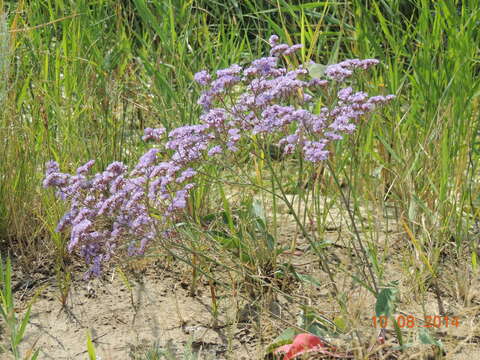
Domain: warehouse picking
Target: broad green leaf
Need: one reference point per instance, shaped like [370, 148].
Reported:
[270, 242]
[386, 302]
[257, 210]
[426, 338]
[286, 337]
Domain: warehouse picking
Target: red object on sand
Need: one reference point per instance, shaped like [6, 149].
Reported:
[302, 344]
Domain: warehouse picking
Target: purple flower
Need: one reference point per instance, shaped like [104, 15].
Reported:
[344, 69]
[215, 118]
[141, 220]
[147, 159]
[381, 99]
[314, 150]
[279, 49]
[307, 98]
[78, 231]
[345, 93]
[153, 134]
[179, 201]
[205, 100]
[316, 82]
[82, 170]
[215, 150]
[293, 49]
[263, 67]
[232, 70]
[189, 142]
[274, 118]
[273, 40]
[187, 174]
[64, 221]
[117, 168]
[52, 167]
[338, 72]
[189, 187]
[233, 138]
[367, 63]
[55, 179]
[221, 84]
[203, 78]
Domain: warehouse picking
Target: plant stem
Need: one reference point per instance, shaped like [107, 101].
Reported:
[356, 232]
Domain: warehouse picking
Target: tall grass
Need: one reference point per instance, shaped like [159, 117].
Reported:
[426, 148]
[85, 80]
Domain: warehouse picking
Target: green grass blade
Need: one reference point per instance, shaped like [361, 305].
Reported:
[90, 347]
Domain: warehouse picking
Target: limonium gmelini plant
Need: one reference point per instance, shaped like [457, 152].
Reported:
[122, 208]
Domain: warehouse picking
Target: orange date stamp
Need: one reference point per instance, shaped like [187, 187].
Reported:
[410, 321]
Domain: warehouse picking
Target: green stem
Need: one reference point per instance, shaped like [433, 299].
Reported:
[362, 252]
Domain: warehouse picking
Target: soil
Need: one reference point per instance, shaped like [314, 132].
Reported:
[155, 306]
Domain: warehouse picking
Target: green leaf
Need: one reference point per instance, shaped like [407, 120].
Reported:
[227, 241]
[23, 326]
[398, 332]
[316, 324]
[308, 279]
[226, 209]
[147, 15]
[474, 261]
[286, 337]
[317, 245]
[426, 338]
[386, 302]
[124, 279]
[340, 323]
[35, 355]
[318, 329]
[257, 210]
[90, 347]
[270, 242]
[390, 150]
[6, 306]
[8, 285]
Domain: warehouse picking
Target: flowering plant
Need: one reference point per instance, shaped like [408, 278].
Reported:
[263, 100]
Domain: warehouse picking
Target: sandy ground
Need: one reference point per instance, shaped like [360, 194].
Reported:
[158, 309]
[124, 324]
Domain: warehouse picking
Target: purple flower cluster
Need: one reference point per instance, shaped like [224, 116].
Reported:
[277, 101]
[130, 207]
[345, 69]
[153, 134]
[115, 206]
